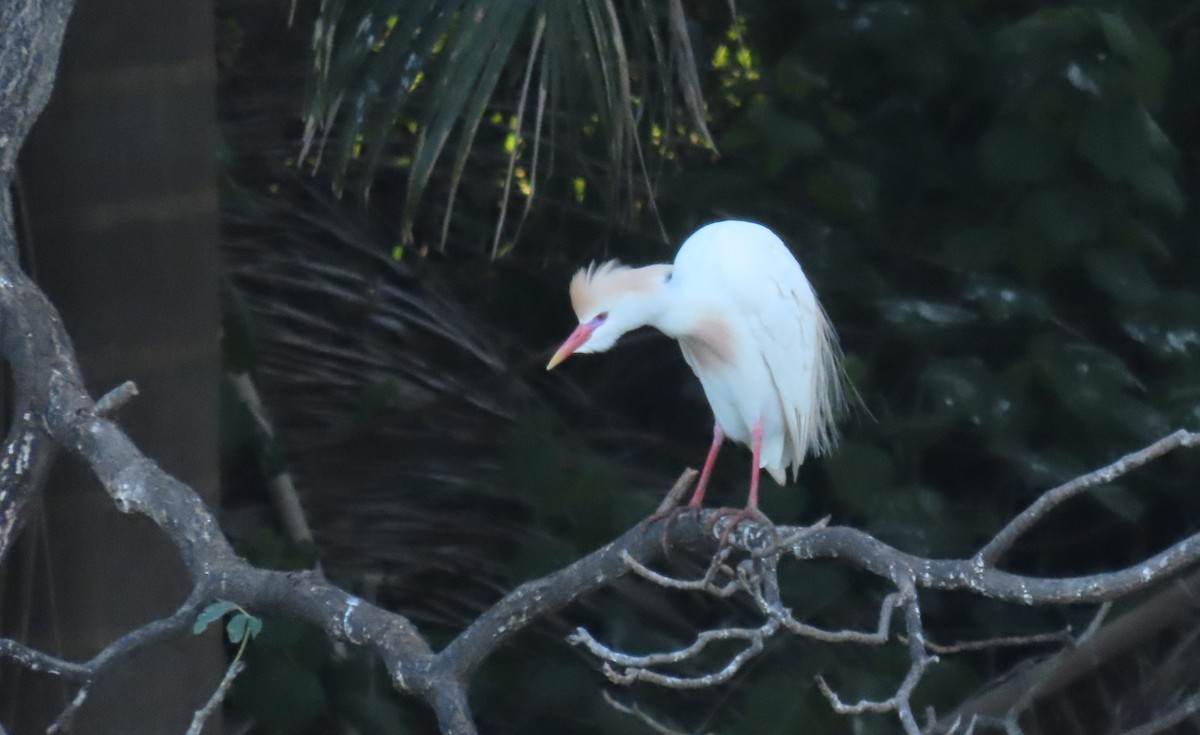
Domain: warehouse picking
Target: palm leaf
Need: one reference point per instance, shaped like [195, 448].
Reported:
[380, 64]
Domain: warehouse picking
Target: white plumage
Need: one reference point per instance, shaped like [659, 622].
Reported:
[749, 326]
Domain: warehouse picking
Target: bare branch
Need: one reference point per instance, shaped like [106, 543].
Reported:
[675, 495]
[217, 697]
[900, 702]
[754, 646]
[281, 486]
[35, 660]
[872, 555]
[87, 673]
[1178, 600]
[1060, 637]
[876, 638]
[1033, 685]
[583, 638]
[707, 583]
[1004, 540]
[32, 34]
[110, 402]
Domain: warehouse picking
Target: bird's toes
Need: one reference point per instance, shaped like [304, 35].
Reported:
[737, 517]
[670, 515]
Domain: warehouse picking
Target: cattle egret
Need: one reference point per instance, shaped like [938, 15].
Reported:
[749, 326]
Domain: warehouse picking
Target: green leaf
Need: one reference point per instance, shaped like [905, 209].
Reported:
[1123, 142]
[1066, 216]
[923, 314]
[1140, 238]
[1120, 274]
[956, 389]
[1003, 299]
[1168, 325]
[211, 614]
[1150, 61]
[1095, 387]
[1156, 185]
[1012, 153]
[787, 137]
[915, 519]
[1047, 468]
[482, 42]
[845, 189]
[1045, 29]
[236, 627]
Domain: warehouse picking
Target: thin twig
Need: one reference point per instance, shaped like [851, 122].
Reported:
[677, 491]
[900, 701]
[110, 402]
[707, 583]
[582, 637]
[217, 697]
[1007, 536]
[1033, 685]
[985, 644]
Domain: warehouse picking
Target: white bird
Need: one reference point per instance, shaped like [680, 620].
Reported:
[749, 326]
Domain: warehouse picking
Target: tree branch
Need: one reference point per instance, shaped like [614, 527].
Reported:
[756, 577]
[1028, 518]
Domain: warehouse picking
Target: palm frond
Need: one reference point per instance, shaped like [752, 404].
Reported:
[397, 80]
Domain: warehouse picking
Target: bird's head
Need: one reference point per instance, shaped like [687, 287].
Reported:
[610, 300]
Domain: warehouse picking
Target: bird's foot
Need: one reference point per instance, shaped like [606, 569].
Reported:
[670, 515]
[736, 517]
[670, 509]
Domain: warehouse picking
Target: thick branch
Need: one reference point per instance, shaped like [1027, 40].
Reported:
[31, 33]
[549, 594]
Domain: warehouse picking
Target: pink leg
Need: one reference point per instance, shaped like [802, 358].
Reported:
[718, 439]
[751, 510]
[755, 470]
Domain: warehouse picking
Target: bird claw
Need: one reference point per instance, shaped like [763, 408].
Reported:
[750, 512]
[670, 515]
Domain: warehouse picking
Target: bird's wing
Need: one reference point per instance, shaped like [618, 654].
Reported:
[758, 284]
[793, 338]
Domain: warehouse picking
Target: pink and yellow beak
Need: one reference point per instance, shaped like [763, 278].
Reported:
[581, 335]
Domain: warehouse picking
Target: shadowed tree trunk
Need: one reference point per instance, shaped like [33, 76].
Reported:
[119, 196]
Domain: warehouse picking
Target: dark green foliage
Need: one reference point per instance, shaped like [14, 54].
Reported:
[996, 203]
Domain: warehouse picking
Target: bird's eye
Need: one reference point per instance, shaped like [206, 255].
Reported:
[668, 278]
[602, 316]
